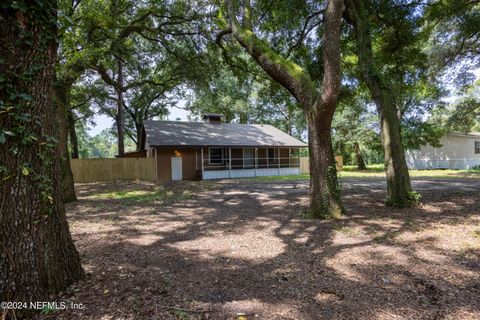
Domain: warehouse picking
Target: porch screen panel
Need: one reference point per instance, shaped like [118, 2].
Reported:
[215, 155]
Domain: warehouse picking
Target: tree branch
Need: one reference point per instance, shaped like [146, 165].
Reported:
[304, 31]
[287, 73]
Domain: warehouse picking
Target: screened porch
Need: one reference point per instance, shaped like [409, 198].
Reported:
[228, 162]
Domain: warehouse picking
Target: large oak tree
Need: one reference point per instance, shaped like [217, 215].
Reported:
[318, 104]
[37, 254]
[400, 193]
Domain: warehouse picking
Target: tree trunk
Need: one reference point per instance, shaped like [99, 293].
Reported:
[61, 104]
[318, 107]
[138, 134]
[325, 191]
[37, 255]
[119, 118]
[358, 156]
[399, 189]
[398, 178]
[72, 133]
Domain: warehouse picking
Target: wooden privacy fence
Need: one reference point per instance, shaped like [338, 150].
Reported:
[93, 170]
[305, 168]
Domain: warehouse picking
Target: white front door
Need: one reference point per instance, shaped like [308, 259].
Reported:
[176, 168]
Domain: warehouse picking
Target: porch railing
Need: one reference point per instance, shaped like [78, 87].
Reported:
[250, 163]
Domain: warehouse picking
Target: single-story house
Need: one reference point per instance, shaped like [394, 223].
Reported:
[217, 150]
[457, 151]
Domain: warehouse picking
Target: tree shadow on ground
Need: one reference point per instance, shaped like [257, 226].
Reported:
[241, 249]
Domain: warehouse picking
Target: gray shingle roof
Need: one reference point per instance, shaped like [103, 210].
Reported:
[177, 133]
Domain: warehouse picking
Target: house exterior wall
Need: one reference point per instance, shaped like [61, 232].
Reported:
[164, 162]
[456, 152]
[192, 163]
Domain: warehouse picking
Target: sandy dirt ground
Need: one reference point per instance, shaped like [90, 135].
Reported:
[240, 249]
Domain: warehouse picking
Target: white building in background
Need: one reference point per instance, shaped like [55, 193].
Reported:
[458, 151]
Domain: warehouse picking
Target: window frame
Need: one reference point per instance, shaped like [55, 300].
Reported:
[210, 155]
[476, 147]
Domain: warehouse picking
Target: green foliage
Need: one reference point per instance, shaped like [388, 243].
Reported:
[402, 67]
[354, 122]
[159, 45]
[463, 115]
[411, 42]
[414, 197]
[226, 94]
[102, 145]
[415, 135]
[248, 99]
[452, 28]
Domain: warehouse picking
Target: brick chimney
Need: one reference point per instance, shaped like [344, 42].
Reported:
[213, 118]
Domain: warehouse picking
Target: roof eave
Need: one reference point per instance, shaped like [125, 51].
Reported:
[226, 145]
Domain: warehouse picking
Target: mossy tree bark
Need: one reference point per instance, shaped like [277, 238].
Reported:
[318, 106]
[37, 254]
[398, 179]
[324, 187]
[61, 92]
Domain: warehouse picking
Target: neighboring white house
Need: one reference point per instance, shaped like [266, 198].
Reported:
[458, 151]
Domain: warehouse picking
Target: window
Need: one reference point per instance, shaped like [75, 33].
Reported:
[477, 147]
[215, 155]
[271, 155]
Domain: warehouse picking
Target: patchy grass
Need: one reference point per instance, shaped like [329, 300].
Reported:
[376, 171]
[370, 168]
[160, 195]
[446, 173]
[131, 193]
[304, 176]
[346, 230]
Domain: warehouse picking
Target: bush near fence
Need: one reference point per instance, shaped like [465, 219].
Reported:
[96, 170]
